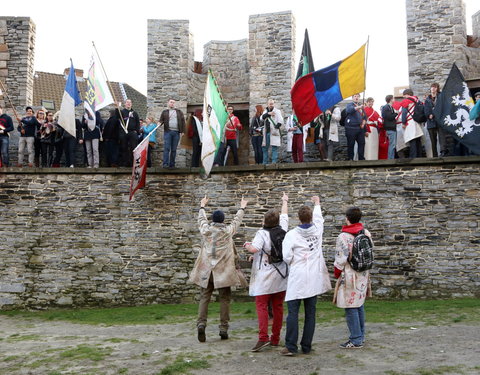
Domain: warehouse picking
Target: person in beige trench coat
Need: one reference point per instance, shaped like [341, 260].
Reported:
[216, 265]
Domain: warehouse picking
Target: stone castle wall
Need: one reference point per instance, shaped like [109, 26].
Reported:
[17, 52]
[74, 239]
[476, 24]
[437, 37]
[228, 61]
[271, 59]
[170, 50]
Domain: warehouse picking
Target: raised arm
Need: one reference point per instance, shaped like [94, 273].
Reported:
[202, 217]
[317, 213]
[237, 220]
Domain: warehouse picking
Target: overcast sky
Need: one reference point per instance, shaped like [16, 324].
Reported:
[65, 30]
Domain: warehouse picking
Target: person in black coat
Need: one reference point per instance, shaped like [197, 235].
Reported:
[110, 138]
[70, 143]
[389, 115]
[128, 140]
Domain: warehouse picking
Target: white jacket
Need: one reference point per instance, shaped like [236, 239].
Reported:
[275, 135]
[265, 279]
[302, 251]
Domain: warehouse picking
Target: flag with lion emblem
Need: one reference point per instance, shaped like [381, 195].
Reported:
[452, 111]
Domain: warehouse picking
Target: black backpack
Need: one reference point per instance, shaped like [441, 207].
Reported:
[343, 117]
[361, 258]
[277, 234]
[419, 112]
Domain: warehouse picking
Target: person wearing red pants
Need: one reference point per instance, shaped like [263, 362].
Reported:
[268, 280]
[296, 137]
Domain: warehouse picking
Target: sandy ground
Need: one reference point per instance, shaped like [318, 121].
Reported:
[39, 347]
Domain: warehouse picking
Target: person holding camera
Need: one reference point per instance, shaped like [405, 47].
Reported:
[216, 265]
[273, 121]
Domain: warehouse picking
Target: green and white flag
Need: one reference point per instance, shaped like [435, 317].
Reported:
[214, 119]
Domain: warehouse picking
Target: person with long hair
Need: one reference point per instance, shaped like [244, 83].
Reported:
[47, 138]
[256, 133]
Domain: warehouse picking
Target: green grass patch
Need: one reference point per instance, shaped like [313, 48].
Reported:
[183, 364]
[117, 340]
[17, 337]
[440, 370]
[80, 352]
[11, 358]
[431, 312]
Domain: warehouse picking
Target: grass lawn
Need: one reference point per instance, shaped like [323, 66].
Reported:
[432, 312]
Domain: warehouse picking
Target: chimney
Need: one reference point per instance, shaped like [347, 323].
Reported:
[78, 73]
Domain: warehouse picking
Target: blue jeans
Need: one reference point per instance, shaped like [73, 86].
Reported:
[4, 141]
[257, 148]
[392, 143]
[356, 324]
[265, 150]
[291, 337]
[170, 143]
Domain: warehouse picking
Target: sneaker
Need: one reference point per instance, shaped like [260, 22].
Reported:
[350, 345]
[223, 335]
[201, 334]
[286, 352]
[260, 345]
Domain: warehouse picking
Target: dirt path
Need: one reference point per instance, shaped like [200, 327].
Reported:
[52, 348]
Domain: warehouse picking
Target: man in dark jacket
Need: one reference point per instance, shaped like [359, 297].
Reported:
[355, 128]
[110, 139]
[173, 127]
[128, 139]
[6, 125]
[434, 130]
[389, 116]
[70, 144]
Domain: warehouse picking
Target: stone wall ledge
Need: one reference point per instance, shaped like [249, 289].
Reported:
[260, 168]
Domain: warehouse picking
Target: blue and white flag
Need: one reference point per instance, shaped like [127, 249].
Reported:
[71, 98]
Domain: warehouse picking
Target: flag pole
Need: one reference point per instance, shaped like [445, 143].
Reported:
[110, 87]
[9, 100]
[366, 63]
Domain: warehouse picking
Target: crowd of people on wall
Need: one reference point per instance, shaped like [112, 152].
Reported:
[392, 133]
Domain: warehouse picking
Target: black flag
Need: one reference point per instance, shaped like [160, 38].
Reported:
[305, 64]
[452, 111]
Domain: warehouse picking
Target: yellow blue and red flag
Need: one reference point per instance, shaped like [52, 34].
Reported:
[316, 92]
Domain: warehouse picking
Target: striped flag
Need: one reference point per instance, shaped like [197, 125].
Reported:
[71, 98]
[214, 119]
[98, 94]
[316, 92]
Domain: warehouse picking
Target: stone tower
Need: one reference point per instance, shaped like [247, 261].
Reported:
[248, 71]
[271, 58]
[17, 52]
[437, 37]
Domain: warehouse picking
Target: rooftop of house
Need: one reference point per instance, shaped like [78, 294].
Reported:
[48, 91]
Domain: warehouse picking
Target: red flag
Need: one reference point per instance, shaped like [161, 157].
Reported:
[139, 169]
